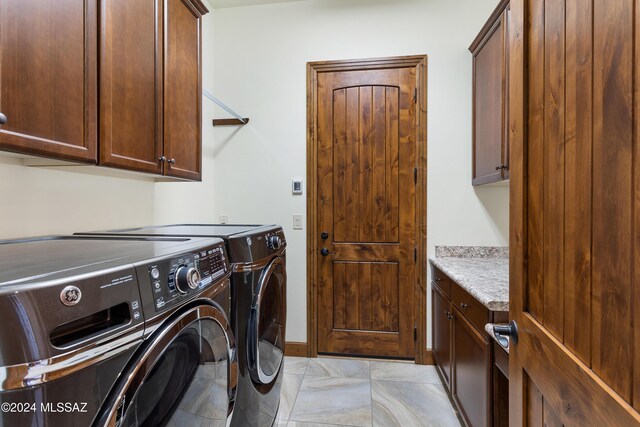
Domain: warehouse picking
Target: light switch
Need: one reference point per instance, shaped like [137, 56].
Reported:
[297, 222]
[224, 219]
[296, 187]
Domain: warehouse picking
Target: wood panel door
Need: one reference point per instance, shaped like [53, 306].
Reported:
[441, 321]
[48, 78]
[183, 88]
[575, 210]
[131, 84]
[366, 211]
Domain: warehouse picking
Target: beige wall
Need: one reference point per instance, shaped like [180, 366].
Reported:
[261, 52]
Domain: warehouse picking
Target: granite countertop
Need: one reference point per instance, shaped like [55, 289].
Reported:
[481, 271]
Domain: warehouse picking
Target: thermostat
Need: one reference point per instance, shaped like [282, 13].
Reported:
[296, 188]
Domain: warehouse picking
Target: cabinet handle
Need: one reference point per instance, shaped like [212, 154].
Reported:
[3, 119]
[500, 167]
[438, 279]
[463, 305]
[162, 159]
[449, 315]
[172, 161]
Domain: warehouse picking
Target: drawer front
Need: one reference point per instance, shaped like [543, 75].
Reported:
[471, 308]
[442, 281]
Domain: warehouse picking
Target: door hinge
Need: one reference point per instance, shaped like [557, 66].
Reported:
[415, 255]
[415, 95]
[415, 175]
[415, 334]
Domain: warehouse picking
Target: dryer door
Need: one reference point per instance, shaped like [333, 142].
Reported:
[267, 322]
[185, 375]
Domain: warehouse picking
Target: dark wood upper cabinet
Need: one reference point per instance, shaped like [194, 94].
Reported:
[150, 86]
[490, 137]
[48, 78]
[183, 88]
[131, 85]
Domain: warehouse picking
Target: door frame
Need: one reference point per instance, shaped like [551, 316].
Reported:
[419, 62]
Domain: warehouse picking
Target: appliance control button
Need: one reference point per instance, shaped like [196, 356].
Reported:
[135, 305]
[274, 242]
[155, 273]
[157, 285]
[136, 315]
[187, 278]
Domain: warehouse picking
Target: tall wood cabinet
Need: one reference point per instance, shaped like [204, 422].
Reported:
[490, 95]
[48, 78]
[147, 78]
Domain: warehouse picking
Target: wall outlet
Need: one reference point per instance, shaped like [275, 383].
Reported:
[224, 219]
[297, 222]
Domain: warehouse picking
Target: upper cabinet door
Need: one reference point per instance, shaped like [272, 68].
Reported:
[183, 88]
[48, 77]
[490, 149]
[131, 84]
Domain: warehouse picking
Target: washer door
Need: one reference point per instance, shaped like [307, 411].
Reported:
[266, 335]
[185, 375]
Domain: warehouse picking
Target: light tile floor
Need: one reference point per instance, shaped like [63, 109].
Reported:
[329, 392]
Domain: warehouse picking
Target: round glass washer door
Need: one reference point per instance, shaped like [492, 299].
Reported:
[266, 337]
[186, 375]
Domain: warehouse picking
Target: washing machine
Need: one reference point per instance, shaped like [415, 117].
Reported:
[258, 289]
[112, 331]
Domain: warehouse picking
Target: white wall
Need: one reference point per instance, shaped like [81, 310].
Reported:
[38, 201]
[260, 58]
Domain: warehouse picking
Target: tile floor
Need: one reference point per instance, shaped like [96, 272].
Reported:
[344, 392]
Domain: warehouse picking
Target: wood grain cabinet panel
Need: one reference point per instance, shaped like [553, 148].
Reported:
[442, 317]
[131, 85]
[472, 367]
[48, 78]
[490, 137]
[183, 88]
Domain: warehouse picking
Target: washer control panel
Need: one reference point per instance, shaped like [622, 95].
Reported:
[181, 277]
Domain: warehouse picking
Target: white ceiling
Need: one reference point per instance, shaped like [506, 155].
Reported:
[219, 4]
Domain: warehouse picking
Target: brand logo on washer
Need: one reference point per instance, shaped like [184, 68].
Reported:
[70, 295]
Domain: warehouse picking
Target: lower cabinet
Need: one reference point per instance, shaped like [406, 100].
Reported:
[472, 371]
[464, 354]
[441, 347]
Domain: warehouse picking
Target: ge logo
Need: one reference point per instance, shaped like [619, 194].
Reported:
[70, 295]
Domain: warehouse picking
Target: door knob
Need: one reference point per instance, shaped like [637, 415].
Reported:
[324, 251]
[162, 159]
[324, 235]
[3, 119]
[503, 331]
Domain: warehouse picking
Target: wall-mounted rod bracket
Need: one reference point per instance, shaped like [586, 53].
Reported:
[238, 120]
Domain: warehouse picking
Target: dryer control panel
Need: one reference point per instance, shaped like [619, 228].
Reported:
[182, 277]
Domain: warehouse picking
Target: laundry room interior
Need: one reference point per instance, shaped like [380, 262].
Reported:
[319, 212]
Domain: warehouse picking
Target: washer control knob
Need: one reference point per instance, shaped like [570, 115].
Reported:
[274, 242]
[155, 273]
[187, 278]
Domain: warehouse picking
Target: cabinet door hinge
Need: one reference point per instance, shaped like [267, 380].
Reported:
[415, 334]
[415, 95]
[415, 255]
[415, 175]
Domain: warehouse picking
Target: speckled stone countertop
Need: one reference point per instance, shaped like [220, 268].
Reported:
[481, 271]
